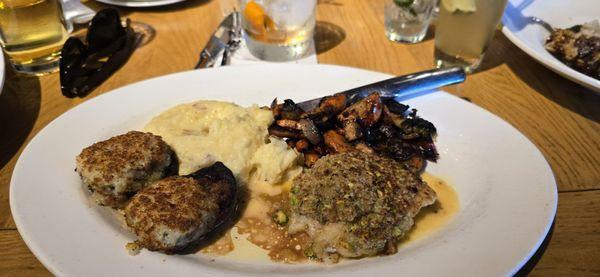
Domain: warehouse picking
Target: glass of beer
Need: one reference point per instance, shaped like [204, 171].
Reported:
[32, 33]
[278, 30]
[464, 30]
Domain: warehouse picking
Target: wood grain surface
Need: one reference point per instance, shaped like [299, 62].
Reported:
[560, 117]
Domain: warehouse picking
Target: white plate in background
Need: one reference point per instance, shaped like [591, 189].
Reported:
[140, 3]
[506, 189]
[530, 37]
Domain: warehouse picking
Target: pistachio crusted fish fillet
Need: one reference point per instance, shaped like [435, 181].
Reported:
[356, 204]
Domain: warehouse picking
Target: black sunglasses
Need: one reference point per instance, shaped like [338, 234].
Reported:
[109, 45]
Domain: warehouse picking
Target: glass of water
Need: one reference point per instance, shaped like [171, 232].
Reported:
[408, 20]
[278, 30]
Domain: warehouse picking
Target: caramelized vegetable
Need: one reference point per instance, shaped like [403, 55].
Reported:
[329, 107]
[366, 111]
[416, 163]
[417, 127]
[310, 131]
[370, 125]
[281, 132]
[288, 123]
[310, 159]
[276, 109]
[289, 110]
[336, 142]
[395, 107]
[302, 145]
[363, 147]
[392, 118]
[352, 130]
[290, 143]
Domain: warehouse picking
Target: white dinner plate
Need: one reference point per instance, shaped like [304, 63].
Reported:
[506, 189]
[530, 36]
[140, 3]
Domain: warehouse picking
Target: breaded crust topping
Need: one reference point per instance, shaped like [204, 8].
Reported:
[373, 198]
[171, 213]
[115, 169]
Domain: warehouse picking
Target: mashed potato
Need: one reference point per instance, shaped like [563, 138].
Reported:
[204, 132]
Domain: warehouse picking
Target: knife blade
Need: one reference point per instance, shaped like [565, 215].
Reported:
[235, 36]
[400, 86]
[217, 43]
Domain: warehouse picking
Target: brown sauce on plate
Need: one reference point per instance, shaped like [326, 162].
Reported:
[257, 237]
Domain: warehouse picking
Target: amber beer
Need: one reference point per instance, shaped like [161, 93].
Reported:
[32, 33]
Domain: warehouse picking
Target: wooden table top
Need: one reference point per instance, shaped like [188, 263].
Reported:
[558, 116]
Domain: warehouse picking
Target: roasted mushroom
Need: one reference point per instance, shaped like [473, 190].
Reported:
[362, 114]
[366, 111]
[363, 147]
[310, 131]
[288, 124]
[289, 110]
[394, 106]
[302, 145]
[275, 109]
[278, 131]
[371, 125]
[416, 127]
[310, 159]
[329, 108]
[335, 142]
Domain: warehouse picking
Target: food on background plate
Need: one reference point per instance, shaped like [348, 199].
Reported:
[356, 204]
[115, 169]
[578, 47]
[341, 180]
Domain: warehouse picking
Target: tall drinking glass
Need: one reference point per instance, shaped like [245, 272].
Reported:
[278, 30]
[32, 33]
[464, 30]
[408, 20]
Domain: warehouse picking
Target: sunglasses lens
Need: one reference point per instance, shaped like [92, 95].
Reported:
[72, 53]
[104, 29]
[109, 46]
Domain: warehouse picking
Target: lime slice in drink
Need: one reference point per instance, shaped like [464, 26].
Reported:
[459, 5]
[404, 3]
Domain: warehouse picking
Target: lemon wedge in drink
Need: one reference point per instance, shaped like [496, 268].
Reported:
[460, 5]
[257, 18]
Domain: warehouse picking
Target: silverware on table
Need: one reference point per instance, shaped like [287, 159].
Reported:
[401, 85]
[521, 21]
[76, 13]
[235, 38]
[217, 43]
[542, 23]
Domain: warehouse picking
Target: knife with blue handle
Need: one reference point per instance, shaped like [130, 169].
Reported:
[401, 85]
